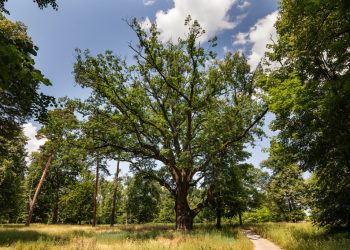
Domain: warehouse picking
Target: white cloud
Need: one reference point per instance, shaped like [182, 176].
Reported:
[146, 24]
[226, 49]
[212, 15]
[241, 38]
[243, 5]
[148, 2]
[33, 143]
[259, 35]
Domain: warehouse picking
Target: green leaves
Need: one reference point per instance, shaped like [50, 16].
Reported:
[19, 79]
[177, 104]
[142, 198]
[12, 172]
[310, 97]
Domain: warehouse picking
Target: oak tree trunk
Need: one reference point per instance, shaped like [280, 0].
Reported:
[115, 195]
[37, 191]
[184, 215]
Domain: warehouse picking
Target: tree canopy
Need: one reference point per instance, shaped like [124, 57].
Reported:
[20, 98]
[310, 95]
[177, 105]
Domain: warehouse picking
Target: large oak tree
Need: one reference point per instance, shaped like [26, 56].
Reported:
[177, 105]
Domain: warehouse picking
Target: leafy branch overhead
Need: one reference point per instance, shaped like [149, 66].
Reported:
[41, 4]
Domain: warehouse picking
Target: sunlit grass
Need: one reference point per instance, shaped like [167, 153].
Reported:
[302, 236]
[150, 236]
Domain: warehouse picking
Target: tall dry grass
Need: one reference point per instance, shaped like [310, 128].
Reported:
[151, 236]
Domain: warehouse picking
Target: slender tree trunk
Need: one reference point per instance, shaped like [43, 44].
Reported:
[219, 210]
[115, 191]
[218, 218]
[240, 218]
[37, 191]
[54, 219]
[289, 205]
[184, 215]
[96, 191]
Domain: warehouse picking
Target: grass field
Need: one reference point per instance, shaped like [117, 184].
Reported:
[119, 237]
[302, 236]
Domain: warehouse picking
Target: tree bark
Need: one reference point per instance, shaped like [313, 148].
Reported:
[37, 191]
[54, 219]
[184, 215]
[219, 210]
[55, 184]
[115, 195]
[218, 218]
[240, 218]
[96, 191]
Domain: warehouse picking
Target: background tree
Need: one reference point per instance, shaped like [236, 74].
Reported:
[59, 130]
[65, 170]
[310, 96]
[235, 187]
[105, 199]
[166, 206]
[19, 101]
[286, 190]
[12, 173]
[177, 105]
[142, 198]
[76, 203]
[92, 133]
[116, 184]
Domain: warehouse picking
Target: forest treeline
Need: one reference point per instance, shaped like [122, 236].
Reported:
[183, 119]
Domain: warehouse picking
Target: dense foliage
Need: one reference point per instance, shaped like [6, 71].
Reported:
[286, 189]
[310, 96]
[19, 81]
[12, 177]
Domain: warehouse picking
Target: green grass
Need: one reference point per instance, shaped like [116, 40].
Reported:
[302, 236]
[150, 236]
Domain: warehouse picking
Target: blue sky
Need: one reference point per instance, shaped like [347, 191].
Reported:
[99, 25]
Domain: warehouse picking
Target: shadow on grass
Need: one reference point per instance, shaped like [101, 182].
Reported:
[145, 227]
[9, 237]
[11, 226]
[137, 232]
[228, 231]
[128, 235]
[147, 232]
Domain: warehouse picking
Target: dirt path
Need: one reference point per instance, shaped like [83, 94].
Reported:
[259, 242]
